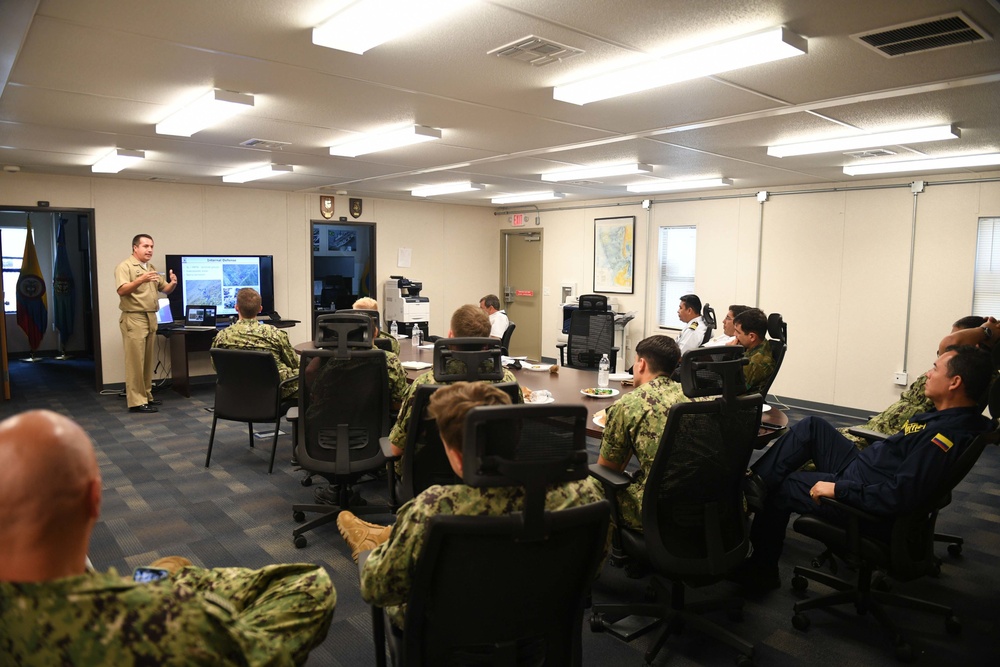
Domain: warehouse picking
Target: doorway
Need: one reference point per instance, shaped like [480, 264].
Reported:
[521, 277]
[343, 265]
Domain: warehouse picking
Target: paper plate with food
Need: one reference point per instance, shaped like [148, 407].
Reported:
[600, 417]
[600, 392]
[536, 367]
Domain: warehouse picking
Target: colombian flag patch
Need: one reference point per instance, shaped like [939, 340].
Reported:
[942, 442]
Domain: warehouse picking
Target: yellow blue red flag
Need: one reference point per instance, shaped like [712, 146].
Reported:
[32, 306]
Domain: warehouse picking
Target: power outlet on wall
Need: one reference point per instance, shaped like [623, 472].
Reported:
[900, 379]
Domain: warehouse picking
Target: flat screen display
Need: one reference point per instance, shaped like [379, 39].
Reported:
[214, 280]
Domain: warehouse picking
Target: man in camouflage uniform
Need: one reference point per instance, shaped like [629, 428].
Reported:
[367, 303]
[249, 334]
[637, 420]
[386, 577]
[466, 322]
[52, 612]
[751, 333]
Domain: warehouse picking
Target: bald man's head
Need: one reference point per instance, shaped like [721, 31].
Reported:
[50, 492]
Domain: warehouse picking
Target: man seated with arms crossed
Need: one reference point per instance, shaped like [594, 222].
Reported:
[386, 576]
[728, 335]
[751, 333]
[886, 479]
[635, 423]
[52, 612]
[498, 318]
[693, 333]
[466, 322]
[911, 402]
[368, 303]
[249, 334]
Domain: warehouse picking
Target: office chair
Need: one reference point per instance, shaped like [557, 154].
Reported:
[591, 335]
[248, 389]
[423, 462]
[343, 411]
[905, 552]
[505, 339]
[708, 317]
[694, 526]
[777, 332]
[507, 589]
[593, 302]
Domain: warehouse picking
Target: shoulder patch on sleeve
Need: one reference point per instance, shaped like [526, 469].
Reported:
[942, 442]
[693, 325]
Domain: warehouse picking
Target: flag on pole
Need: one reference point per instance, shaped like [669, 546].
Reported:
[32, 306]
[63, 287]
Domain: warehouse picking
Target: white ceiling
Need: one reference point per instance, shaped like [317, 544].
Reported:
[80, 77]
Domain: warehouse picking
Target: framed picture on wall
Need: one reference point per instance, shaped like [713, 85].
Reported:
[614, 254]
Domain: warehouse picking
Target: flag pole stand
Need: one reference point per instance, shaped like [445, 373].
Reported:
[62, 352]
[32, 359]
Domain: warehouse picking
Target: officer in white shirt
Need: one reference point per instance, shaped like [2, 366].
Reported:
[693, 334]
[498, 318]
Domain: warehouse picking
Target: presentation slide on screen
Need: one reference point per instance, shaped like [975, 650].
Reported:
[215, 280]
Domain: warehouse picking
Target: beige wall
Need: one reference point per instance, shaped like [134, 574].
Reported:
[835, 264]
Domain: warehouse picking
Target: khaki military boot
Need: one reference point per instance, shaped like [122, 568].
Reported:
[361, 535]
[171, 563]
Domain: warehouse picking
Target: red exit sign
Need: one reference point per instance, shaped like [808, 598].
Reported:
[524, 292]
[517, 220]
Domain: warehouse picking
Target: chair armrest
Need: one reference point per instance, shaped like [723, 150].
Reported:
[386, 446]
[609, 478]
[287, 381]
[853, 511]
[614, 359]
[293, 414]
[562, 353]
[868, 434]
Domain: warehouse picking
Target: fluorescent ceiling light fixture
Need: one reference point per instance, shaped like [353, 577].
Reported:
[446, 189]
[873, 140]
[548, 195]
[363, 25]
[381, 141]
[116, 160]
[598, 172]
[257, 173]
[754, 49]
[982, 160]
[668, 186]
[210, 109]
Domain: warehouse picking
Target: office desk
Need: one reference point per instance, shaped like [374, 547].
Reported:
[183, 342]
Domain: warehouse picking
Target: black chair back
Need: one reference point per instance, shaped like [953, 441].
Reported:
[344, 333]
[530, 570]
[593, 302]
[591, 335]
[709, 371]
[505, 339]
[467, 359]
[246, 386]
[777, 331]
[373, 314]
[708, 317]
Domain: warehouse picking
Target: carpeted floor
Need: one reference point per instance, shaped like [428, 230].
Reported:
[160, 500]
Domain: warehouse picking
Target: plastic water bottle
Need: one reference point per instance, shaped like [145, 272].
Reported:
[603, 368]
[415, 336]
[393, 329]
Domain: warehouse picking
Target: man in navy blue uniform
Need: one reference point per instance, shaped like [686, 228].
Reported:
[886, 479]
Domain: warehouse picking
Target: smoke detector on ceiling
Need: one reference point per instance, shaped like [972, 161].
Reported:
[930, 34]
[265, 144]
[871, 152]
[536, 51]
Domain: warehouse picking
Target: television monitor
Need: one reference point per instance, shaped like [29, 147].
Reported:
[213, 280]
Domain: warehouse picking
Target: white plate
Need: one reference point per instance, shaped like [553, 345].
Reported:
[618, 377]
[766, 408]
[548, 399]
[606, 392]
[415, 365]
[599, 418]
[536, 367]
[426, 346]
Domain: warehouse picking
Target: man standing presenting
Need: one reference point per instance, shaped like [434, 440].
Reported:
[637, 420]
[693, 334]
[249, 334]
[498, 318]
[138, 283]
[751, 332]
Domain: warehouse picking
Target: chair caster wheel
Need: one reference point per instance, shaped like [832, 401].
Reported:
[799, 583]
[952, 625]
[300, 541]
[597, 622]
[800, 622]
[299, 517]
[306, 481]
[735, 615]
[744, 661]
[904, 652]
[955, 550]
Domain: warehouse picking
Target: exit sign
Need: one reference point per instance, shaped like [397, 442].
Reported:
[517, 219]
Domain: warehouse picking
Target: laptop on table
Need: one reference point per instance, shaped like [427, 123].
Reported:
[199, 318]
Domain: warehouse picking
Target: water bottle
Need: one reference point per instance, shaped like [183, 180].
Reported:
[393, 329]
[415, 336]
[603, 368]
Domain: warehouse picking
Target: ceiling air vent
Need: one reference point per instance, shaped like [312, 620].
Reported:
[265, 144]
[873, 152]
[926, 35]
[535, 51]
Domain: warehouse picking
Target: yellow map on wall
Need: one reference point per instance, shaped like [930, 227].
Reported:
[613, 255]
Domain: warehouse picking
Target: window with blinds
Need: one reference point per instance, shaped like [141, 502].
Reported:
[677, 246]
[12, 250]
[986, 288]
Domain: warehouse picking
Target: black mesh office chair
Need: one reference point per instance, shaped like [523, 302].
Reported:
[777, 332]
[708, 317]
[248, 389]
[694, 526]
[591, 335]
[423, 463]
[593, 302]
[505, 339]
[343, 412]
[511, 589]
[908, 552]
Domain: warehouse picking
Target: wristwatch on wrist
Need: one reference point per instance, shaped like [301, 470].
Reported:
[987, 331]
